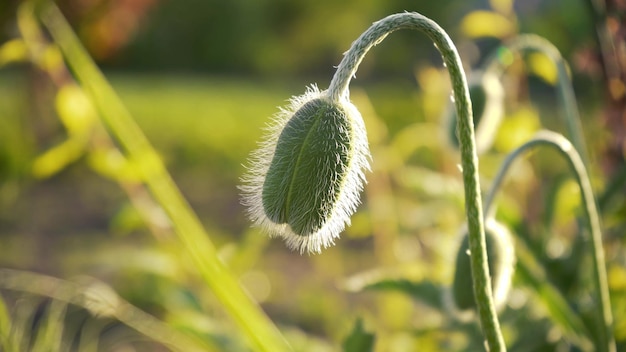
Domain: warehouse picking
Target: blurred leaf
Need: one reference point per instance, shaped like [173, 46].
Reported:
[413, 137]
[543, 67]
[97, 298]
[50, 331]
[205, 328]
[5, 326]
[75, 109]
[13, 51]
[617, 284]
[162, 262]
[24, 312]
[127, 220]
[517, 128]
[377, 132]
[90, 333]
[435, 86]
[112, 164]
[477, 24]
[429, 183]
[612, 192]
[502, 6]
[359, 340]
[617, 278]
[535, 336]
[58, 157]
[567, 201]
[424, 291]
[305, 342]
[530, 272]
[50, 59]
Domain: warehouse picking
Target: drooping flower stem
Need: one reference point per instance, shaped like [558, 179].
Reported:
[565, 90]
[338, 90]
[565, 148]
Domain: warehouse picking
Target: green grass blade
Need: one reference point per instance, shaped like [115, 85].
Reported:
[531, 273]
[24, 312]
[252, 321]
[50, 332]
[90, 336]
[5, 325]
[98, 299]
[359, 340]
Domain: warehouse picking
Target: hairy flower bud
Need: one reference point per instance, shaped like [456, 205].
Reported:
[501, 256]
[487, 95]
[304, 181]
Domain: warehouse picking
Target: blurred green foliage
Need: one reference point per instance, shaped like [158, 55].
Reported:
[280, 38]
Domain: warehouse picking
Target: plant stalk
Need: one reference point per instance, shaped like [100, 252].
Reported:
[565, 89]
[567, 150]
[473, 205]
[260, 331]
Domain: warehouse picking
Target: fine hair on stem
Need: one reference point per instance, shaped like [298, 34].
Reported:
[338, 90]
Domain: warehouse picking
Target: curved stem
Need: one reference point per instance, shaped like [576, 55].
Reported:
[565, 148]
[565, 90]
[339, 90]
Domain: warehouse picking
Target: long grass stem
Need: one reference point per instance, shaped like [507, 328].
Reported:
[260, 331]
[98, 299]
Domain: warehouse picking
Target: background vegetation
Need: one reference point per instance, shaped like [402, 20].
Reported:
[202, 78]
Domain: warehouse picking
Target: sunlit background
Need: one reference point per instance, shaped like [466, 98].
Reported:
[202, 78]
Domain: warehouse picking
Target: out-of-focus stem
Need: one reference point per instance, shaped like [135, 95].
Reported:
[565, 89]
[260, 331]
[565, 148]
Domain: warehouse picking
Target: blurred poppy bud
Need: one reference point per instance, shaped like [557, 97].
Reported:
[487, 95]
[303, 183]
[501, 255]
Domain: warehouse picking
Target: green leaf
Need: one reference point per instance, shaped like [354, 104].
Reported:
[530, 273]
[424, 291]
[359, 340]
[50, 333]
[5, 325]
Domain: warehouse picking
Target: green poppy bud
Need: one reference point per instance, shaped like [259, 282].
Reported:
[487, 95]
[304, 181]
[501, 256]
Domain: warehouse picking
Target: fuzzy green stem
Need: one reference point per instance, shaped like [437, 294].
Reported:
[565, 148]
[339, 90]
[565, 89]
[262, 334]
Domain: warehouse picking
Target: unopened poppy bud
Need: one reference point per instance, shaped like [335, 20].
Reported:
[487, 95]
[304, 181]
[501, 256]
